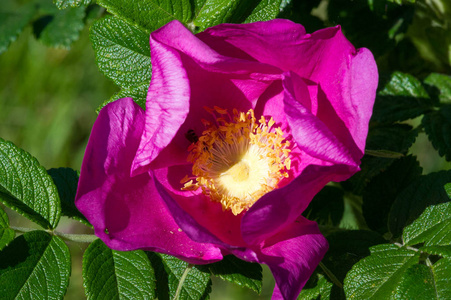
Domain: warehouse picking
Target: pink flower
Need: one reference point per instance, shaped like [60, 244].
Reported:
[244, 124]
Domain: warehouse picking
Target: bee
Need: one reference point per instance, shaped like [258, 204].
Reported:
[191, 136]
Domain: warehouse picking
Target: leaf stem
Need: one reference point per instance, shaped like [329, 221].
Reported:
[22, 229]
[331, 275]
[80, 238]
[383, 153]
[182, 280]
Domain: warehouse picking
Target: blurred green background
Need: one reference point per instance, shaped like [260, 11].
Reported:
[48, 96]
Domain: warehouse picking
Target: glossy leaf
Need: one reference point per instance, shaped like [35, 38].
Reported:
[214, 12]
[122, 52]
[402, 98]
[411, 202]
[36, 265]
[378, 275]
[383, 189]
[442, 84]
[432, 228]
[6, 233]
[347, 248]
[138, 93]
[437, 125]
[316, 288]
[442, 275]
[237, 271]
[327, 207]
[66, 181]
[110, 274]
[264, 11]
[170, 270]
[444, 251]
[392, 137]
[26, 187]
[426, 282]
[149, 15]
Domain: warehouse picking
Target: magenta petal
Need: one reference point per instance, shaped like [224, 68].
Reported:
[167, 104]
[127, 212]
[348, 77]
[282, 207]
[273, 42]
[293, 256]
[309, 132]
[195, 212]
[189, 225]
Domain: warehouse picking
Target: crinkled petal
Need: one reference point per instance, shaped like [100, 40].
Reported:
[292, 255]
[127, 212]
[348, 77]
[188, 75]
[310, 133]
[167, 104]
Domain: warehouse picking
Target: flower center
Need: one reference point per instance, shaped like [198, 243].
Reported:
[237, 159]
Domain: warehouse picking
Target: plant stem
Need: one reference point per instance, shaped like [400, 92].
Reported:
[80, 238]
[331, 275]
[182, 280]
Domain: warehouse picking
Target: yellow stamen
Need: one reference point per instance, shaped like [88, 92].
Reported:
[236, 162]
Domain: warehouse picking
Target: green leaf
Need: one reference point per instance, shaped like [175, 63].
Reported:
[444, 251]
[386, 22]
[238, 272]
[170, 270]
[426, 282]
[378, 275]
[12, 24]
[61, 4]
[403, 84]
[433, 227]
[6, 233]
[60, 29]
[122, 52]
[110, 274]
[442, 84]
[383, 189]
[149, 15]
[417, 283]
[392, 137]
[448, 189]
[26, 187]
[264, 11]
[383, 153]
[316, 288]
[66, 181]
[402, 98]
[348, 247]
[437, 126]
[214, 12]
[36, 265]
[413, 200]
[138, 93]
[327, 207]
[442, 274]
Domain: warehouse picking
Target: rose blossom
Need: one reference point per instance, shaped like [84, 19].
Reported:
[244, 124]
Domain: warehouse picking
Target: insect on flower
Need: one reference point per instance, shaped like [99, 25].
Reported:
[191, 136]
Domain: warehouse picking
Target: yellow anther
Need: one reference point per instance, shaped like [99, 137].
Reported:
[236, 162]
